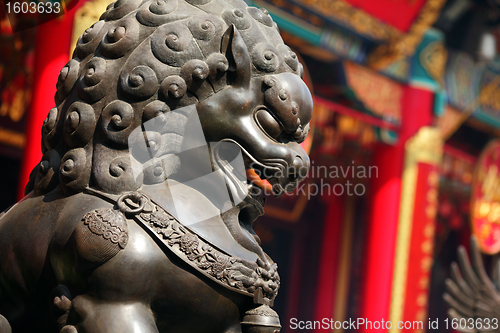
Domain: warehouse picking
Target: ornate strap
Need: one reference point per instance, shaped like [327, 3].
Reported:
[258, 280]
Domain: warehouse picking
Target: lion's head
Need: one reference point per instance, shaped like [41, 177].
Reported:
[141, 72]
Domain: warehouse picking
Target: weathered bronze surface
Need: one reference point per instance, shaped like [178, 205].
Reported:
[139, 216]
[473, 298]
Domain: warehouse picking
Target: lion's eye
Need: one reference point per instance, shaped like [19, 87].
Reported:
[268, 123]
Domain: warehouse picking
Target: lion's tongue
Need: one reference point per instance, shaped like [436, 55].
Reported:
[262, 183]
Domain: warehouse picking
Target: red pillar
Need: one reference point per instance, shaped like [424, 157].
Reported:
[417, 108]
[328, 268]
[420, 256]
[51, 54]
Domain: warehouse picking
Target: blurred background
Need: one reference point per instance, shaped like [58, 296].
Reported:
[404, 158]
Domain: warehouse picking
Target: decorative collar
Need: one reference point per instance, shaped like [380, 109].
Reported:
[259, 279]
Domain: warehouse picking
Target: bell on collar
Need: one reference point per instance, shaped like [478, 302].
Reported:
[262, 319]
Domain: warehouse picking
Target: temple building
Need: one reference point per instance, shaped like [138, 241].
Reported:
[404, 162]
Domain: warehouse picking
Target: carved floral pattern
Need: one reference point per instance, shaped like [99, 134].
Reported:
[108, 224]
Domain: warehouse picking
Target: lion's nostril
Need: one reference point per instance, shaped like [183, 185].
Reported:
[303, 172]
[298, 169]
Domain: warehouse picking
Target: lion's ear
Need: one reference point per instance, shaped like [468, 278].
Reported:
[235, 50]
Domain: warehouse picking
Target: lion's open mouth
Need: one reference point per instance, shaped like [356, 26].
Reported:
[247, 189]
[257, 180]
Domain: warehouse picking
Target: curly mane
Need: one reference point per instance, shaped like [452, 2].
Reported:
[142, 60]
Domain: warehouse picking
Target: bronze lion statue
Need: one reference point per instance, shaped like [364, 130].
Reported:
[139, 216]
